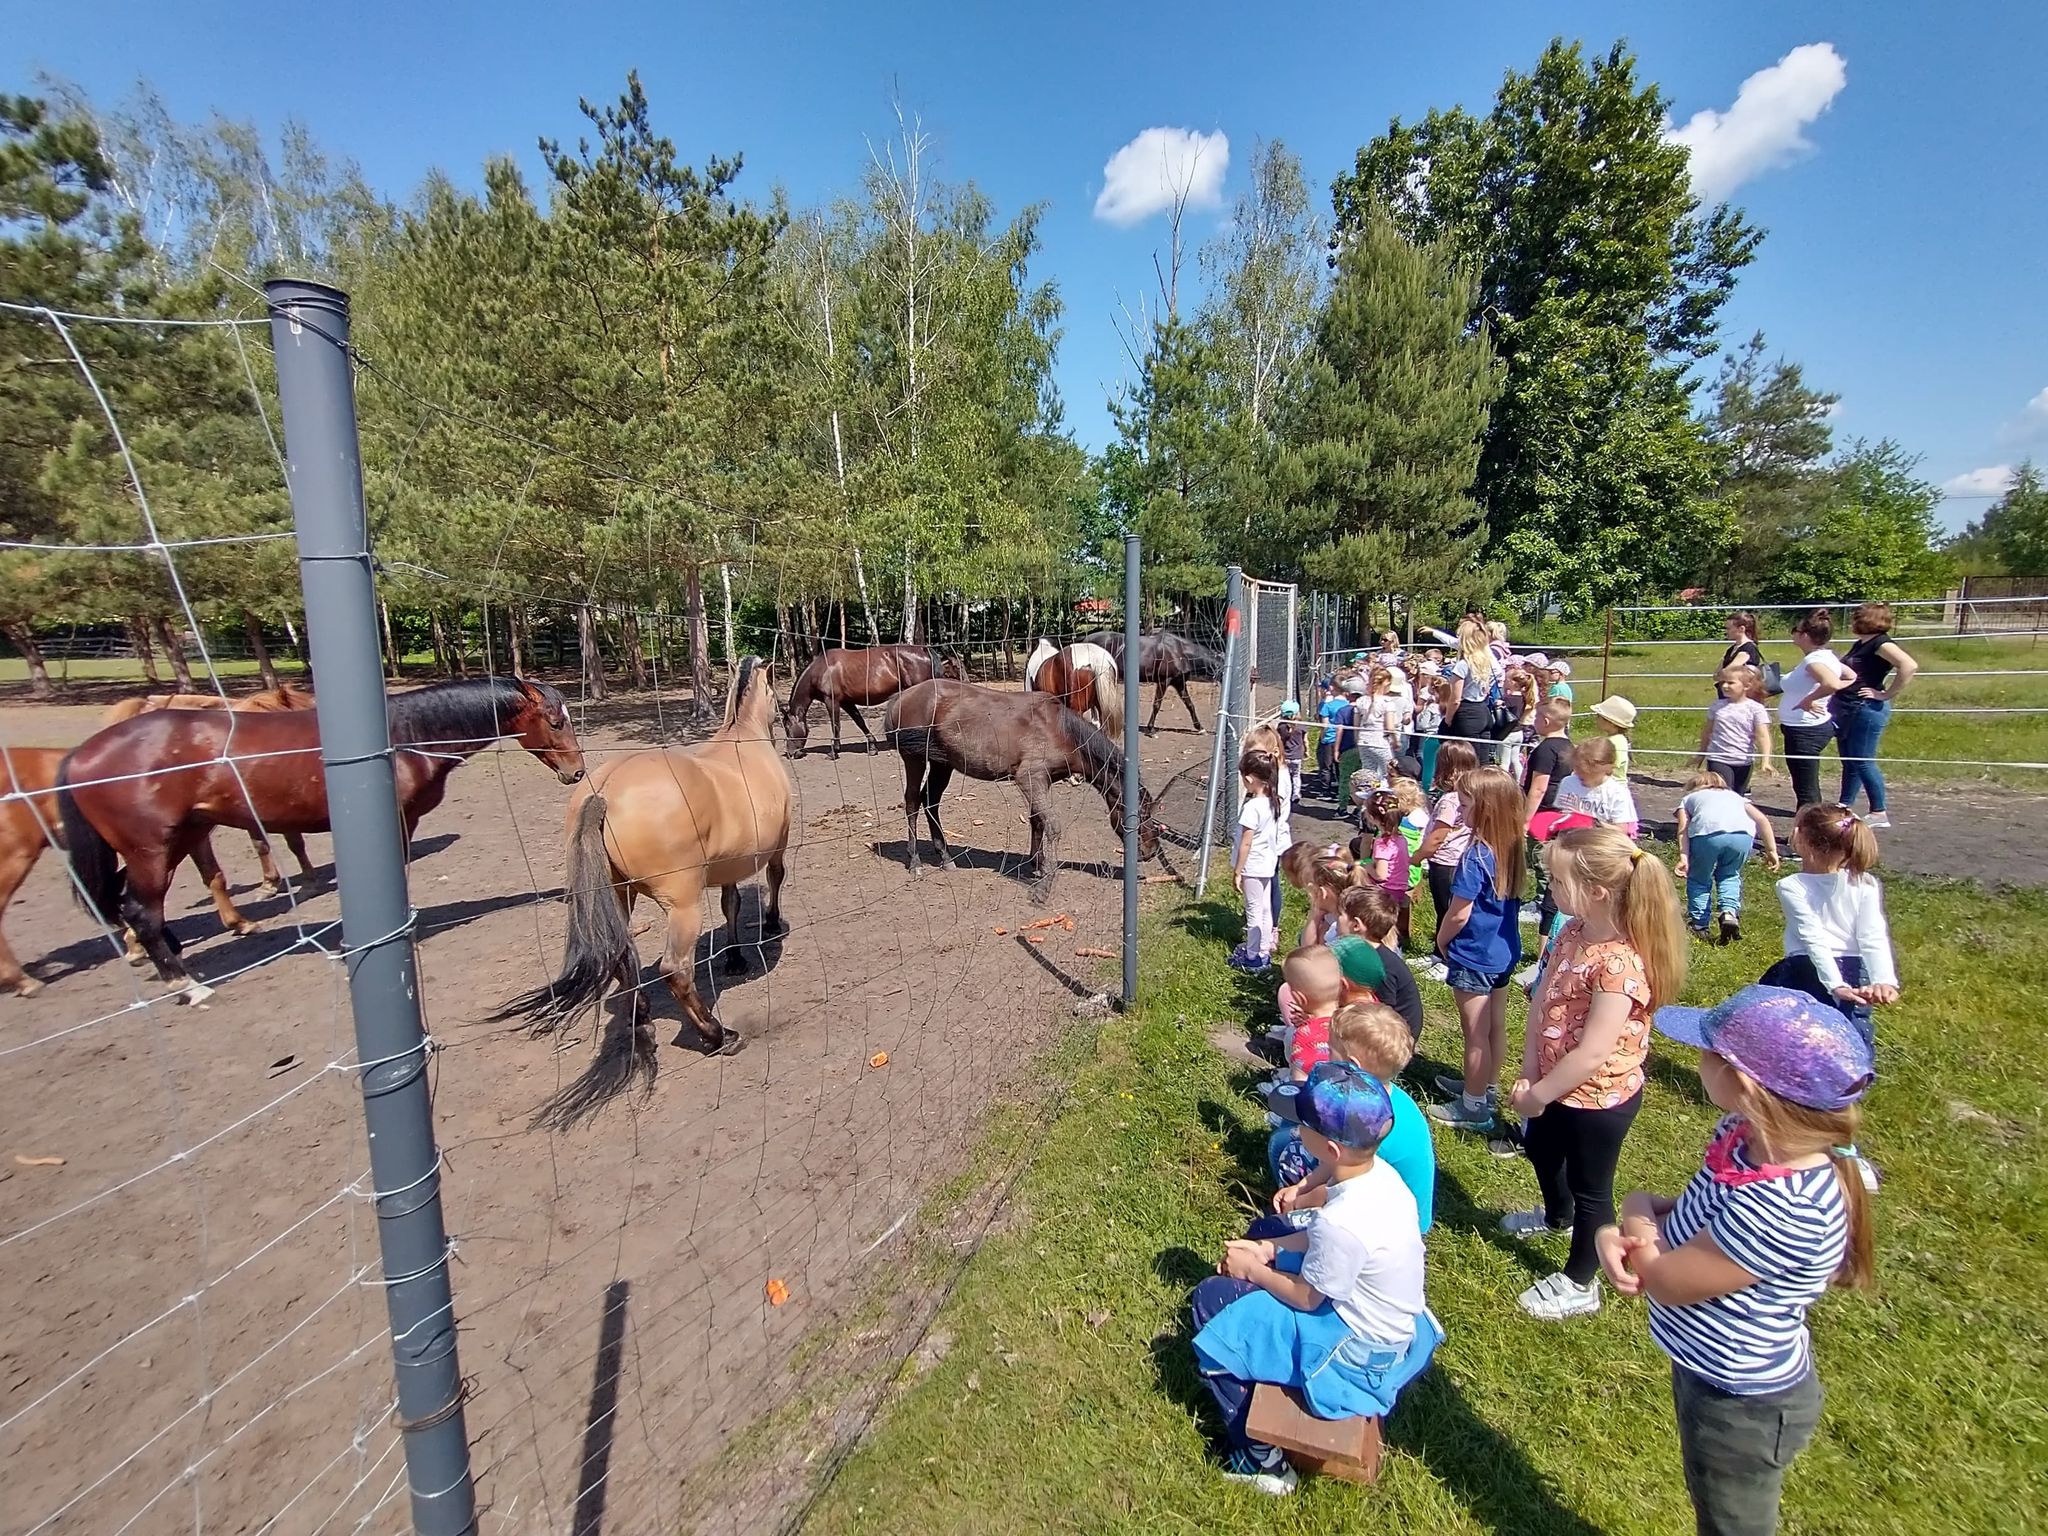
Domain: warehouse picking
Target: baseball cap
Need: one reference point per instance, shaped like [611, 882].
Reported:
[1290, 708]
[1360, 659]
[1347, 1104]
[1536, 659]
[1561, 667]
[1359, 960]
[1790, 1042]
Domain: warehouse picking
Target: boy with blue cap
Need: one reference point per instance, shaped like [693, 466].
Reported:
[1336, 1312]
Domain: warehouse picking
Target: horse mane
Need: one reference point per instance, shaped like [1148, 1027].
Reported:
[741, 681]
[467, 709]
[1105, 762]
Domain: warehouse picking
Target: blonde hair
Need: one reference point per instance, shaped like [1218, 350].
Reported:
[1553, 713]
[1786, 1130]
[1408, 794]
[1373, 1036]
[1473, 650]
[1835, 832]
[1313, 972]
[1493, 808]
[1644, 901]
[1745, 677]
[1338, 873]
[1378, 679]
[1298, 863]
[1263, 738]
[1454, 759]
[1705, 778]
[1595, 750]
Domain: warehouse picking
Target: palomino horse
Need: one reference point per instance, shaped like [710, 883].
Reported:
[1082, 677]
[845, 679]
[664, 823]
[279, 700]
[148, 791]
[1166, 660]
[1031, 738]
[28, 825]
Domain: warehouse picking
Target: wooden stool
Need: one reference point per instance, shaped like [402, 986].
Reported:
[1346, 1448]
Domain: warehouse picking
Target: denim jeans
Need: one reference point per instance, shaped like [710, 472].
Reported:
[1713, 873]
[1803, 747]
[1736, 1448]
[1799, 973]
[1858, 725]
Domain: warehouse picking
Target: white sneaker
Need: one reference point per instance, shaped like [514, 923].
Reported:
[1526, 976]
[1530, 917]
[1877, 821]
[1529, 1224]
[1433, 968]
[1276, 1479]
[1554, 1298]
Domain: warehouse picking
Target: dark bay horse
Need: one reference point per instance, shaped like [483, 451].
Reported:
[147, 792]
[1032, 739]
[1166, 660]
[666, 824]
[846, 679]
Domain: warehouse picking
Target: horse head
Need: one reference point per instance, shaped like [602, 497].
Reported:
[796, 730]
[1148, 825]
[949, 664]
[542, 726]
[751, 710]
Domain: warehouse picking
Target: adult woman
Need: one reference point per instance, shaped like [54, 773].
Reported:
[1864, 709]
[1743, 651]
[1805, 721]
[1477, 671]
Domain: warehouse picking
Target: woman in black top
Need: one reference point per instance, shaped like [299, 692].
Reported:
[1742, 647]
[1864, 709]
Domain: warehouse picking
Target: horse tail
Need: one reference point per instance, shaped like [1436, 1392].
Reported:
[599, 943]
[95, 867]
[1109, 703]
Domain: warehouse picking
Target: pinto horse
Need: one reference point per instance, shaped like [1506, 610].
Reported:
[148, 791]
[1030, 738]
[664, 823]
[845, 679]
[1166, 660]
[1082, 677]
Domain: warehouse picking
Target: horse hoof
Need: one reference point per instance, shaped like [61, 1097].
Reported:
[194, 994]
[735, 962]
[135, 957]
[947, 863]
[248, 926]
[729, 1043]
[26, 986]
[272, 888]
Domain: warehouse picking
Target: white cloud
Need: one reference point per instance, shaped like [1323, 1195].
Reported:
[1765, 127]
[1992, 480]
[1145, 176]
[2031, 425]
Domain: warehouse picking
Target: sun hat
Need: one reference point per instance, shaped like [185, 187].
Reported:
[1290, 708]
[1616, 710]
[1429, 668]
[1359, 960]
[1347, 1104]
[1355, 686]
[1790, 1042]
[1561, 667]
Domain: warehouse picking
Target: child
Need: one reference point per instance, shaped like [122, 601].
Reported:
[1309, 999]
[1286, 790]
[1591, 789]
[1837, 947]
[1444, 842]
[1257, 859]
[1414, 806]
[1779, 1212]
[1391, 858]
[1361, 973]
[1327, 713]
[1293, 741]
[1376, 1038]
[1480, 942]
[1443, 695]
[1382, 719]
[1619, 958]
[1737, 733]
[1558, 675]
[1345, 1326]
[1371, 914]
[1548, 765]
[1717, 832]
[1614, 717]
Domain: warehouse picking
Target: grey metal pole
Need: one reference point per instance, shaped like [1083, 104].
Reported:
[1233, 621]
[309, 332]
[1132, 782]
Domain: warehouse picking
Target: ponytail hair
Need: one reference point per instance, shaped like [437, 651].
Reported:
[1836, 832]
[1263, 767]
[1787, 1130]
[1645, 902]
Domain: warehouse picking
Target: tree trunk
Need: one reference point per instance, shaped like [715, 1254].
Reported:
[520, 642]
[253, 628]
[732, 639]
[167, 637]
[701, 704]
[1009, 656]
[909, 598]
[636, 649]
[437, 636]
[593, 658]
[145, 649]
[20, 637]
[391, 657]
[842, 623]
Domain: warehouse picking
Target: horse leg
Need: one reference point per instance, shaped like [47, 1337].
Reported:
[935, 783]
[15, 864]
[913, 796]
[149, 879]
[1180, 686]
[297, 843]
[1158, 698]
[832, 708]
[860, 720]
[273, 882]
[1045, 834]
[771, 917]
[729, 904]
[216, 880]
[678, 962]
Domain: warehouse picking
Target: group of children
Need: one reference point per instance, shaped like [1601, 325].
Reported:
[1325, 1294]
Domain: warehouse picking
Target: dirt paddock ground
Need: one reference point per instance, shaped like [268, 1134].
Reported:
[196, 1338]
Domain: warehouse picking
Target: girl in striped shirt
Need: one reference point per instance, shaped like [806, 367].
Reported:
[1779, 1212]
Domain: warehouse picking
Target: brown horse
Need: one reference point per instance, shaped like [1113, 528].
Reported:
[146, 792]
[282, 699]
[1165, 660]
[664, 823]
[1082, 677]
[1031, 738]
[28, 825]
[845, 679]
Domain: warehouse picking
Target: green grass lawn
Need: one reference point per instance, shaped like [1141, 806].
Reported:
[125, 669]
[1066, 1399]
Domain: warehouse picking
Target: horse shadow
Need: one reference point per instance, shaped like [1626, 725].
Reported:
[1015, 865]
[758, 951]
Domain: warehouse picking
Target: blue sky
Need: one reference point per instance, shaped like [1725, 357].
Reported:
[1906, 230]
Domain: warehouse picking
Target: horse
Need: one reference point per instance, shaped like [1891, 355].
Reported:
[147, 792]
[663, 823]
[1082, 677]
[28, 825]
[1167, 660]
[1030, 738]
[281, 699]
[846, 679]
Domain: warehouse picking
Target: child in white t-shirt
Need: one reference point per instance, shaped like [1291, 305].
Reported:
[1837, 945]
[1591, 788]
[1258, 858]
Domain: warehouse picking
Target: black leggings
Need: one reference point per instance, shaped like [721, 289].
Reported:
[1474, 721]
[1803, 746]
[1735, 775]
[1574, 1153]
[1440, 877]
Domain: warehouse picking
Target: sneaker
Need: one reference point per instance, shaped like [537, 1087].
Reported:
[1452, 1086]
[1273, 1477]
[1528, 1224]
[1526, 976]
[1731, 928]
[1433, 968]
[1530, 917]
[1506, 1146]
[1459, 1118]
[1554, 1298]
[1877, 821]
[1703, 934]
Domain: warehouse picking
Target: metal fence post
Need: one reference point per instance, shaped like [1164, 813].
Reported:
[1233, 623]
[1132, 782]
[309, 325]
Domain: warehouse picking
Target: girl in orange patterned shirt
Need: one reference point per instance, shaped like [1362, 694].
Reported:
[1619, 959]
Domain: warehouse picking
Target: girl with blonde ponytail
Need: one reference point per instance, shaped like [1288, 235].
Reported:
[1617, 961]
